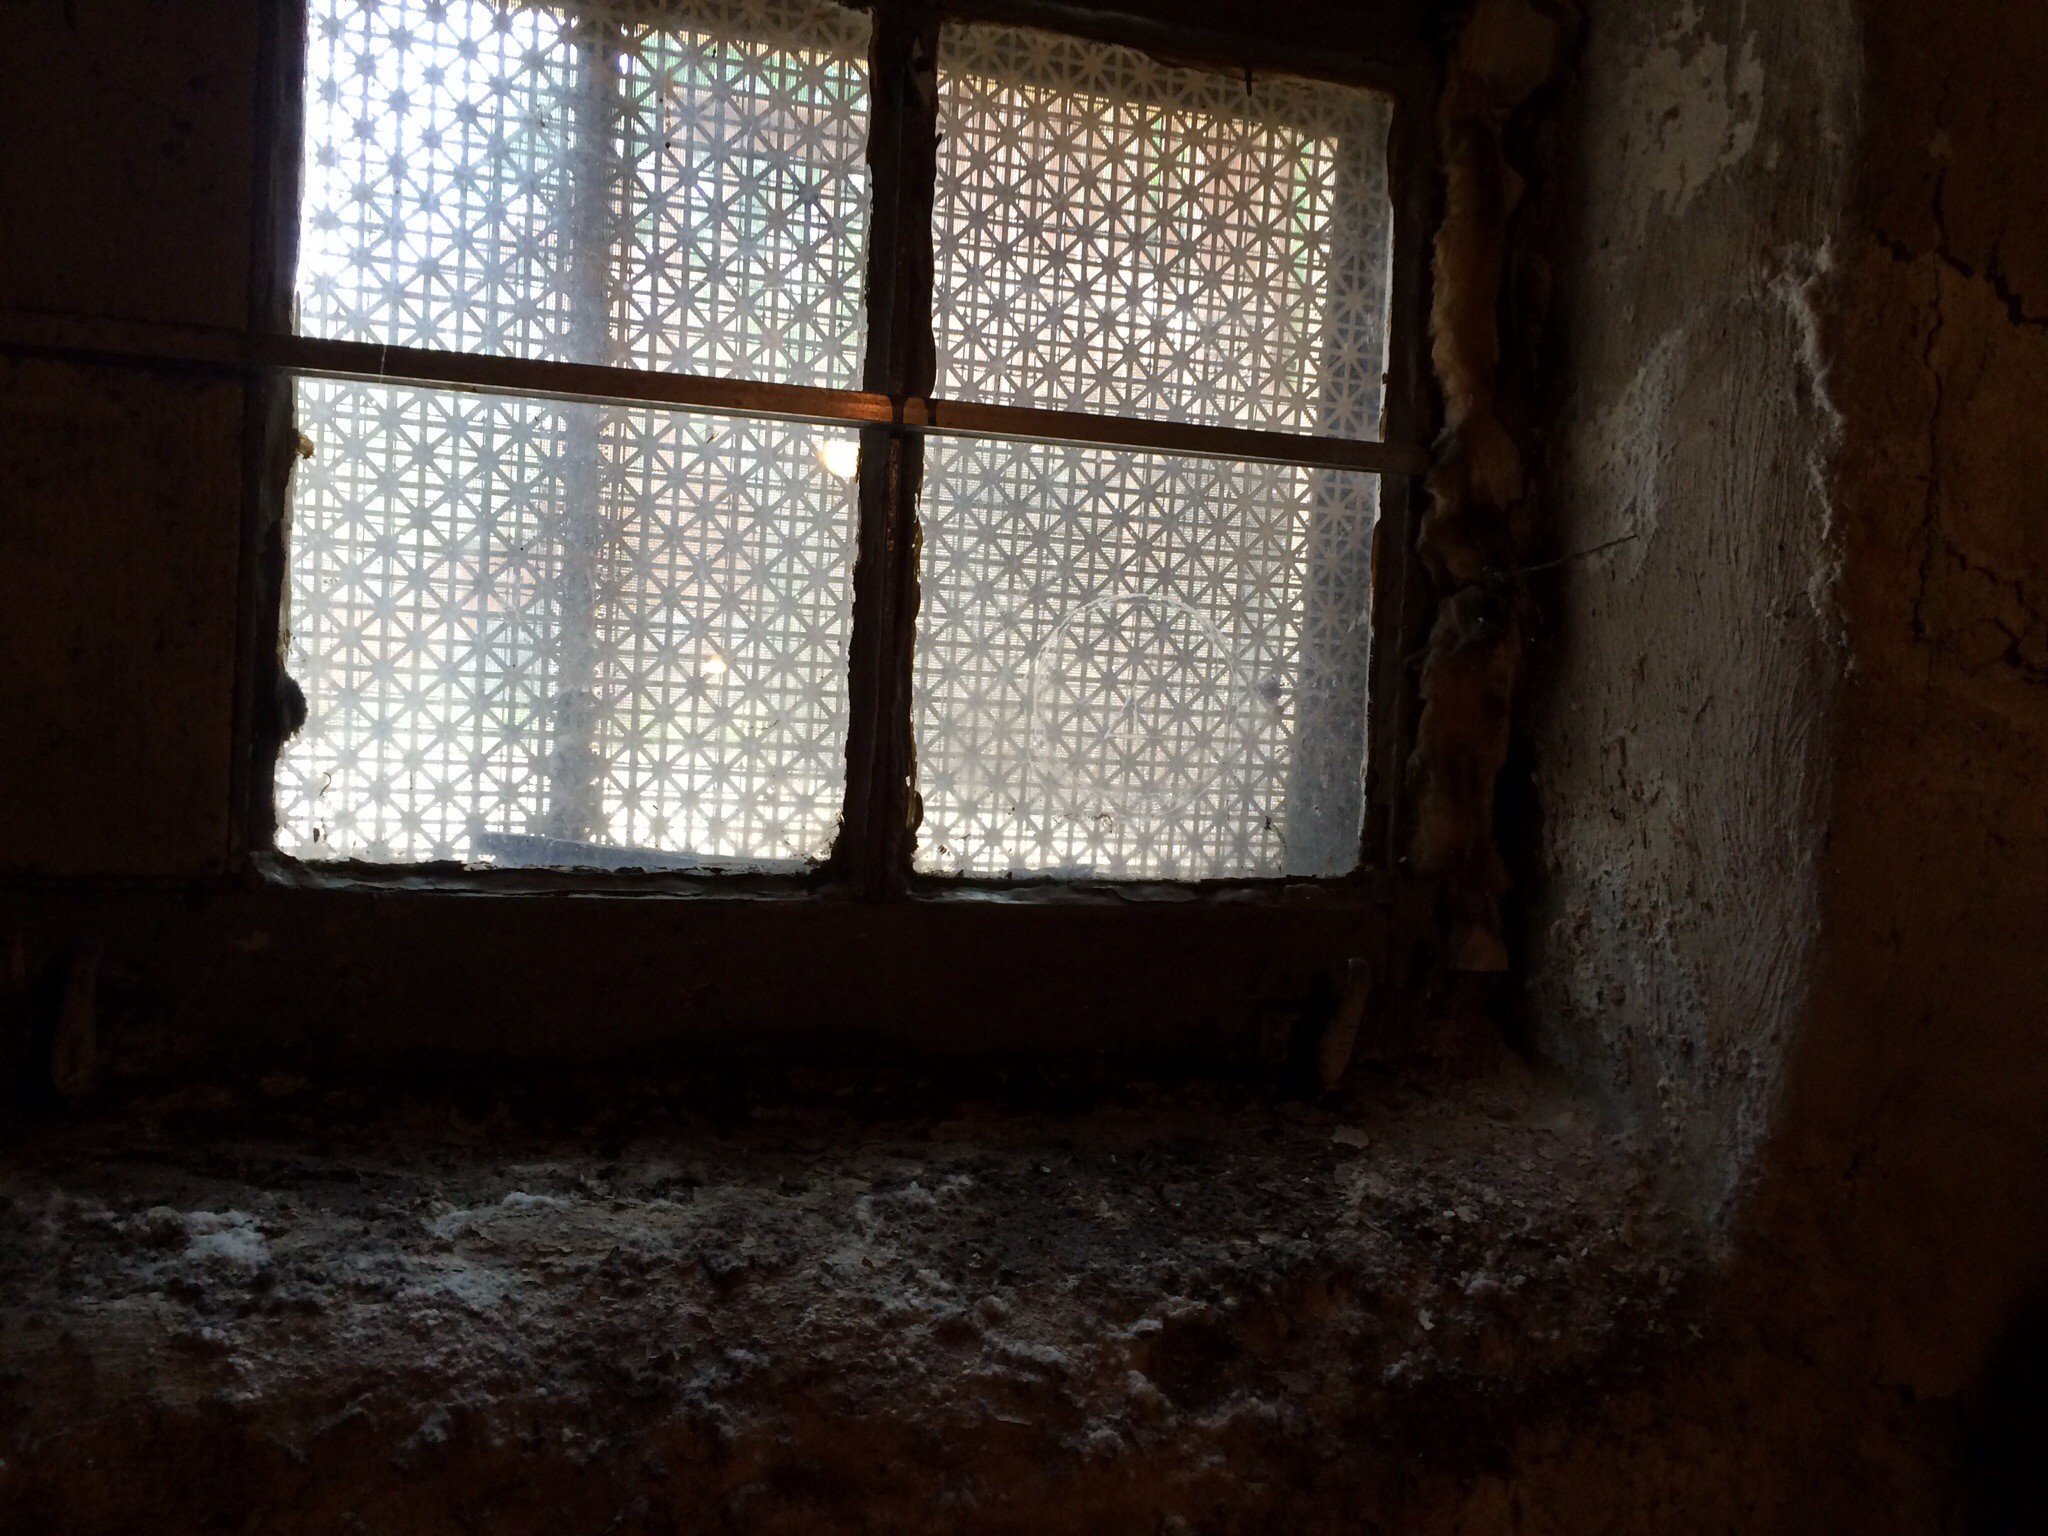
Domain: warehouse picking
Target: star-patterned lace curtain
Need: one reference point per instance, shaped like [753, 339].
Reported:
[538, 631]
[1143, 665]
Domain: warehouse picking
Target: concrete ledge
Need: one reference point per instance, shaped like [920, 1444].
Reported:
[1196, 1307]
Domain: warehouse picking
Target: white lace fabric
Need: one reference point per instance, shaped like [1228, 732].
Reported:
[535, 631]
[1148, 665]
[528, 630]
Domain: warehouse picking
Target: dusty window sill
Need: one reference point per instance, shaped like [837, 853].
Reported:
[940, 1309]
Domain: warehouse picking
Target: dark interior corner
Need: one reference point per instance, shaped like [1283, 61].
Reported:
[2006, 1425]
[1638, 1125]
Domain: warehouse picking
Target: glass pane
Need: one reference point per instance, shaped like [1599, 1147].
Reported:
[1135, 666]
[1120, 236]
[532, 632]
[679, 187]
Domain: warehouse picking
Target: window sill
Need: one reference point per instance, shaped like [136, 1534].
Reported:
[1358, 890]
[927, 1310]
[366, 969]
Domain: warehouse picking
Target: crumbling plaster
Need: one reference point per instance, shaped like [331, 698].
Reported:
[1915, 1108]
[1690, 649]
[1787, 899]
[592, 1307]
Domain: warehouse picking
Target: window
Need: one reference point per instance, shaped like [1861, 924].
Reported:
[1148, 664]
[642, 341]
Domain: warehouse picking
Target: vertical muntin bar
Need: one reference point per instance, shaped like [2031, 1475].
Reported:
[873, 850]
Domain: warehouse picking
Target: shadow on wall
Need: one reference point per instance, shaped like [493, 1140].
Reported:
[2005, 1451]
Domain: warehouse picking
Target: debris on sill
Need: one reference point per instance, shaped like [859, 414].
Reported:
[1144, 1282]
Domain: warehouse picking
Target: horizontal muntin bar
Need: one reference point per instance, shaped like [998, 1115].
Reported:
[793, 402]
[371, 363]
[219, 351]
[1250, 445]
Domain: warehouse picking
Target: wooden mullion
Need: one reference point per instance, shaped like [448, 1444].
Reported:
[266, 707]
[1412, 411]
[230, 354]
[544, 378]
[873, 851]
[1202, 440]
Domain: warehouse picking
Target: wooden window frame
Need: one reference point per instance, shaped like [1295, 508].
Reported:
[381, 967]
[895, 410]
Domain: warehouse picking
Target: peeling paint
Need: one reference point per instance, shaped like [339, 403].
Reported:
[1696, 103]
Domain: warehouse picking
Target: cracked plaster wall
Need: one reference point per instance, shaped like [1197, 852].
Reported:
[1915, 1107]
[1684, 670]
[1788, 879]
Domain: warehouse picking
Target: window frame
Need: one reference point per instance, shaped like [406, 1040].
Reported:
[872, 856]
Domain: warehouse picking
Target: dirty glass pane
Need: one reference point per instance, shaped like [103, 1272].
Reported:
[533, 632]
[678, 185]
[1121, 236]
[1140, 666]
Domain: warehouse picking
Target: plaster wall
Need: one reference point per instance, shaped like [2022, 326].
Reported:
[1914, 1116]
[1788, 910]
[1689, 648]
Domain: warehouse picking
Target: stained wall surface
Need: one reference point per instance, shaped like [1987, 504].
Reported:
[127, 196]
[1917, 1097]
[1689, 647]
[1786, 912]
